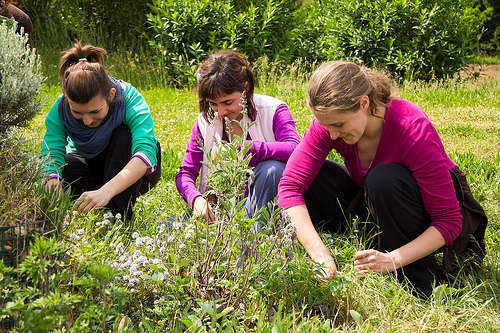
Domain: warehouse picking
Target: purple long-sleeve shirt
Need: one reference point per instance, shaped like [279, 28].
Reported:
[408, 138]
[286, 140]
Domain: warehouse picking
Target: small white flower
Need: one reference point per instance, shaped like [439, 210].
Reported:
[189, 234]
[119, 248]
[156, 261]
[126, 264]
[117, 278]
[118, 216]
[98, 224]
[166, 274]
[182, 246]
[137, 273]
[80, 231]
[163, 249]
[171, 239]
[139, 241]
[133, 290]
[105, 222]
[177, 225]
[126, 277]
[137, 254]
[210, 281]
[135, 235]
[156, 302]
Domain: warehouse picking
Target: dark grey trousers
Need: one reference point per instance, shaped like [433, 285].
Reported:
[392, 196]
[90, 174]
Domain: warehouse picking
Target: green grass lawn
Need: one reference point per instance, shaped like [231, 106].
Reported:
[467, 116]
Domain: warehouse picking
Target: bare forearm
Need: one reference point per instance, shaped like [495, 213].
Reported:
[306, 233]
[428, 242]
[130, 174]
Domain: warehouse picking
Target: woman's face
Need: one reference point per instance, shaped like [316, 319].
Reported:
[350, 126]
[228, 106]
[92, 113]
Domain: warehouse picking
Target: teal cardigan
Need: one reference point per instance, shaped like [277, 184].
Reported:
[56, 142]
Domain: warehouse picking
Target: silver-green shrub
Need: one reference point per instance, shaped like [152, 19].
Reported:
[20, 78]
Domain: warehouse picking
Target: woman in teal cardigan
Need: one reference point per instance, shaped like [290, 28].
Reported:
[100, 138]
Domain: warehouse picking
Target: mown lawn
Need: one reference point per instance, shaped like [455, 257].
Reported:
[466, 114]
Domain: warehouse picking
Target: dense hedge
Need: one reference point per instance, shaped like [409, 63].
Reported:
[419, 39]
[185, 32]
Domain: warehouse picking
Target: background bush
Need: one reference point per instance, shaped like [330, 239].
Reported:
[110, 24]
[418, 39]
[186, 32]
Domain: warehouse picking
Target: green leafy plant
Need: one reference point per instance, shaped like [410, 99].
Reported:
[414, 40]
[186, 32]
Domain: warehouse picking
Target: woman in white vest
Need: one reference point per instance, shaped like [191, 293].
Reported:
[225, 82]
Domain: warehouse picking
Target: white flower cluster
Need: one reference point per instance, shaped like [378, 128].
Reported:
[135, 266]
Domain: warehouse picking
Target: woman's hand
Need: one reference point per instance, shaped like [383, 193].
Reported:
[54, 186]
[201, 207]
[328, 268]
[92, 199]
[376, 261]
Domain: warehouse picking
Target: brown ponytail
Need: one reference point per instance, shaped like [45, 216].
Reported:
[223, 73]
[82, 73]
[339, 86]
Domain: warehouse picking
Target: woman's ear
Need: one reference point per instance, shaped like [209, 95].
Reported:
[364, 102]
[111, 95]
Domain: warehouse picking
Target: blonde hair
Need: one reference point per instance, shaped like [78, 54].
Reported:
[339, 86]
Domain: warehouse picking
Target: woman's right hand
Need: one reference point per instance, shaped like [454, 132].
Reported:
[308, 236]
[327, 268]
[54, 186]
[201, 207]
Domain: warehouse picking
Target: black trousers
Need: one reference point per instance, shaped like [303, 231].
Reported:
[90, 174]
[393, 199]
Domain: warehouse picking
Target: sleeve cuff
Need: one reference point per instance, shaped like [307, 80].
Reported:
[147, 161]
[51, 176]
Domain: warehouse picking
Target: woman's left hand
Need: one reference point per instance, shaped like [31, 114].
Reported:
[376, 261]
[92, 199]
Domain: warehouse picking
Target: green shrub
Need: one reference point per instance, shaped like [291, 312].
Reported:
[106, 23]
[20, 78]
[420, 39]
[186, 32]
[490, 15]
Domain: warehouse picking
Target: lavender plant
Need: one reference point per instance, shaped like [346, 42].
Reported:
[20, 78]
[220, 262]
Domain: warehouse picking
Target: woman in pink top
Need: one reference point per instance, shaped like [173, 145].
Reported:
[395, 165]
[225, 82]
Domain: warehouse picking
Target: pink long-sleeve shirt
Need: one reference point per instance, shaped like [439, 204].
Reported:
[408, 138]
[286, 137]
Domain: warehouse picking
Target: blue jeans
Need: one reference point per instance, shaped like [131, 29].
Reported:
[264, 187]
